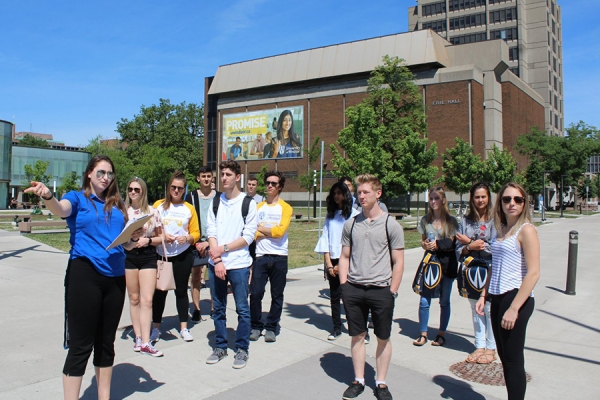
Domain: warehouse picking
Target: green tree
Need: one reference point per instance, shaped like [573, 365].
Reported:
[36, 172]
[499, 168]
[461, 167]
[260, 177]
[587, 188]
[161, 139]
[386, 131]
[533, 177]
[30, 140]
[69, 182]
[561, 156]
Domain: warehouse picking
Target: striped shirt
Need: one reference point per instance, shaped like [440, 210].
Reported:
[508, 265]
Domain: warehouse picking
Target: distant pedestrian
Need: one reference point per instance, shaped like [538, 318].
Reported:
[95, 277]
[252, 185]
[339, 210]
[438, 229]
[271, 263]
[370, 270]
[515, 272]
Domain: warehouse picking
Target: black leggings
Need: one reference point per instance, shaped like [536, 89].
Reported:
[182, 268]
[335, 296]
[94, 303]
[511, 343]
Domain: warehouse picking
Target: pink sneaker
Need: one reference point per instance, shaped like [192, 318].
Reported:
[150, 350]
[137, 344]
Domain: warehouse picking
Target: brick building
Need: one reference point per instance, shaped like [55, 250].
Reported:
[468, 92]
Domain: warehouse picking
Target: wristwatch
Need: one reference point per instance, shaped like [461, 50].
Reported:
[226, 248]
[395, 294]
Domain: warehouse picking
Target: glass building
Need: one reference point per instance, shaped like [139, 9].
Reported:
[6, 129]
[61, 163]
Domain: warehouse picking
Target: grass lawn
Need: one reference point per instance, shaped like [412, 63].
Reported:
[303, 236]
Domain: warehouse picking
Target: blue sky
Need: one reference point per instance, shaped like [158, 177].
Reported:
[73, 69]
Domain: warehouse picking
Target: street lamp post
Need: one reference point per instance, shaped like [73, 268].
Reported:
[562, 191]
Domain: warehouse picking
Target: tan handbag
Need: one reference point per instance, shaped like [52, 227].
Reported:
[164, 271]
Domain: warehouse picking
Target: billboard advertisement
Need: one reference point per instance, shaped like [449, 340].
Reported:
[264, 134]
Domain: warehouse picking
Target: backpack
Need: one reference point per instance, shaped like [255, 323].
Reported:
[195, 200]
[387, 235]
[428, 276]
[472, 275]
[245, 205]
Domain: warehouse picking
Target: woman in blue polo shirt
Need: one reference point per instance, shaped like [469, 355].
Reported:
[95, 278]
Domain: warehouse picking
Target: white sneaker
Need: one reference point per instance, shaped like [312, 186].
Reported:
[137, 344]
[186, 335]
[155, 335]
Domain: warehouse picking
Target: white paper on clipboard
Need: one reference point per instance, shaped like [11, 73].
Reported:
[132, 225]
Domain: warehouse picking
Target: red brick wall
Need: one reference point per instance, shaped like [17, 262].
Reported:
[519, 114]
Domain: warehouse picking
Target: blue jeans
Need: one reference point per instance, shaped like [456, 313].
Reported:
[218, 290]
[273, 268]
[445, 292]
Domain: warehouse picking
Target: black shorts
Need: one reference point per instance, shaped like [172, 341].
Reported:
[144, 258]
[359, 299]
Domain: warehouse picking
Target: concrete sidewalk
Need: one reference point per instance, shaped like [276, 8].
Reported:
[562, 349]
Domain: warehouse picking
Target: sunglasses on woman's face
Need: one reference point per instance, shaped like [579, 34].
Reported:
[177, 188]
[518, 199]
[132, 189]
[100, 174]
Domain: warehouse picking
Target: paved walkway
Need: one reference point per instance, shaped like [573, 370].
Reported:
[562, 350]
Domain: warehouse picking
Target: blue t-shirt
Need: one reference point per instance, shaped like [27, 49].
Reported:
[92, 233]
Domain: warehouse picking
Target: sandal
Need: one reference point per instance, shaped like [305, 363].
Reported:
[438, 341]
[474, 356]
[488, 357]
[420, 341]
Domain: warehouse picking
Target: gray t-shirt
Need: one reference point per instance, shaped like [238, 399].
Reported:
[205, 204]
[370, 261]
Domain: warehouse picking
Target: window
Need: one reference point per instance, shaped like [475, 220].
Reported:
[503, 15]
[509, 34]
[554, 65]
[556, 121]
[467, 21]
[513, 54]
[555, 84]
[549, 77]
[456, 5]
[556, 102]
[433, 8]
[554, 45]
[514, 70]
[499, 1]
[436, 26]
[472, 38]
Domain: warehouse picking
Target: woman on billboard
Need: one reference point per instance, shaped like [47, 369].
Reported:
[288, 143]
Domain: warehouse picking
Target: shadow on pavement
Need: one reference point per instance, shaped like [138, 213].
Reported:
[455, 389]
[15, 253]
[339, 367]
[127, 379]
[456, 342]
[320, 320]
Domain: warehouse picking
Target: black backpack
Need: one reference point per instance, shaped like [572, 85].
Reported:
[245, 205]
[428, 276]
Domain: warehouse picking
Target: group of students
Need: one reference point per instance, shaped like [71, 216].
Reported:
[364, 263]
[501, 236]
[186, 233]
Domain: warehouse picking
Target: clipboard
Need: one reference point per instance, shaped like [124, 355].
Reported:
[132, 225]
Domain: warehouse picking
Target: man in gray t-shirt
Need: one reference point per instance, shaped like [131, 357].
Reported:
[370, 271]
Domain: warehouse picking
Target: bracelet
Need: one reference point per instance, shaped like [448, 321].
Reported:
[135, 240]
[149, 242]
[49, 198]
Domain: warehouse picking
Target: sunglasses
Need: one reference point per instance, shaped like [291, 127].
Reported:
[131, 189]
[518, 199]
[100, 174]
[271, 183]
[176, 188]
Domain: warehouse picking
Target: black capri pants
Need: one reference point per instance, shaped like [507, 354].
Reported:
[182, 268]
[94, 303]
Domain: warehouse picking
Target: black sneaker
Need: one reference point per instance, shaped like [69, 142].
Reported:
[334, 335]
[196, 316]
[382, 392]
[353, 391]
